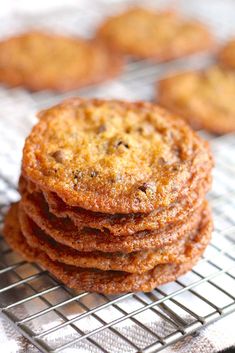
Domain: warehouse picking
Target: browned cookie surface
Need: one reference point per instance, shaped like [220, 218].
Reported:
[95, 280]
[136, 262]
[206, 99]
[88, 239]
[127, 224]
[146, 33]
[226, 55]
[40, 61]
[113, 156]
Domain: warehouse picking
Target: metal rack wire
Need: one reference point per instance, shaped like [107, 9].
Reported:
[55, 318]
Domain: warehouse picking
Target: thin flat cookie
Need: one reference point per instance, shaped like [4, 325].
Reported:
[39, 61]
[226, 56]
[145, 33]
[136, 262]
[127, 224]
[113, 156]
[206, 99]
[109, 282]
[64, 231]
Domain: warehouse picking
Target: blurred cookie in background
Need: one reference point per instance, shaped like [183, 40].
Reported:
[206, 99]
[39, 61]
[159, 35]
[226, 55]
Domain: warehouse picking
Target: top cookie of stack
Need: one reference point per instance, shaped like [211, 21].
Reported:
[112, 195]
[113, 157]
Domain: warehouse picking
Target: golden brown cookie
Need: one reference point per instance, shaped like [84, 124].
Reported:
[206, 99]
[122, 225]
[38, 61]
[113, 156]
[145, 33]
[96, 280]
[63, 231]
[226, 55]
[135, 262]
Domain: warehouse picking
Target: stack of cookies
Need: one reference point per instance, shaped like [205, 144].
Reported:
[112, 196]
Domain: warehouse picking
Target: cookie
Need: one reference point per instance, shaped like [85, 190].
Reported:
[205, 99]
[113, 156]
[88, 239]
[39, 61]
[135, 262]
[145, 33]
[123, 225]
[95, 280]
[226, 56]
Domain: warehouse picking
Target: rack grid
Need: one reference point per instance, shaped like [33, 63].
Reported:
[54, 318]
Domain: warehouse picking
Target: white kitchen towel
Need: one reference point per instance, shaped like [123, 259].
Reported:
[211, 339]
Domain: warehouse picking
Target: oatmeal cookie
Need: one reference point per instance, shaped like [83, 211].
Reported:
[39, 61]
[127, 224]
[145, 33]
[135, 262]
[206, 99]
[226, 55]
[113, 156]
[96, 280]
[63, 231]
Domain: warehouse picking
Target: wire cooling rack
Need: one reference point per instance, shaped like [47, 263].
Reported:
[54, 318]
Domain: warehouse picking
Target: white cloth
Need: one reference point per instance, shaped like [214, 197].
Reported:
[211, 339]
